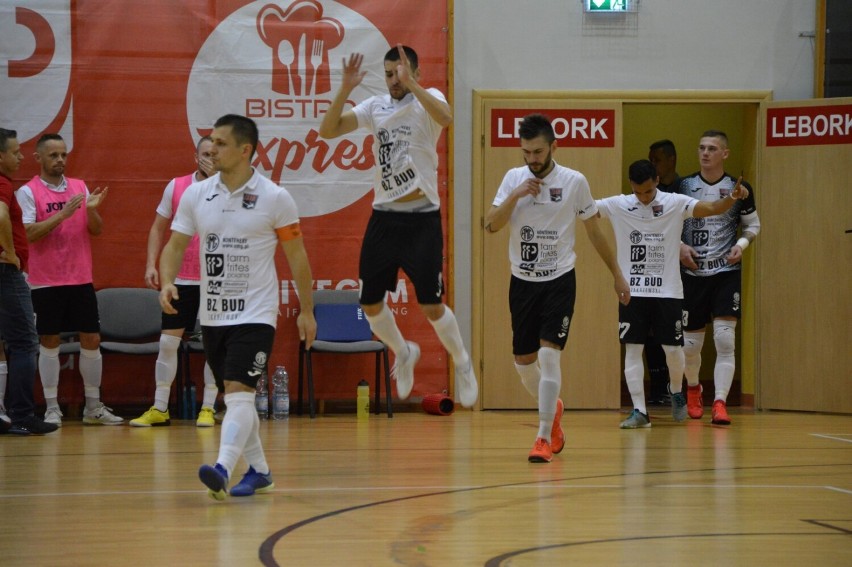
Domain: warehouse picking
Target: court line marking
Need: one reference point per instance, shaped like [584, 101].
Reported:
[834, 437]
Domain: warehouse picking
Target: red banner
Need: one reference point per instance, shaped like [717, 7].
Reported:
[132, 87]
[573, 127]
[809, 125]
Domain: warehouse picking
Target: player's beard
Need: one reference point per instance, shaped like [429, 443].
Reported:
[544, 166]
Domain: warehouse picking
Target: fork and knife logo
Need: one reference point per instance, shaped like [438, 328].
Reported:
[300, 39]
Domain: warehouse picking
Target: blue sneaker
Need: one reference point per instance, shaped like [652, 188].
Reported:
[215, 478]
[253, 482]
[679, 407]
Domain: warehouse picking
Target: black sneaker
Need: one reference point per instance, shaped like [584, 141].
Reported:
[32, 426]
[4, 426]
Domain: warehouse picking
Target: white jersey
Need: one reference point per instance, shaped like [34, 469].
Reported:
[541, 241]
[239, 283]
[713, 237]
[647, 241]
[404, 145]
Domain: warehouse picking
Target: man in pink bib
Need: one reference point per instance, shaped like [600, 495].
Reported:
[60, 214]
[187, 282]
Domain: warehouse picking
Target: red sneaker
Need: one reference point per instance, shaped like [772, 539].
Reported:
[557, 435]
[720, 413]
[541, 452]
[694, 404]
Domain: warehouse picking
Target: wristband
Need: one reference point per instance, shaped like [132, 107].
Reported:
[743, 243]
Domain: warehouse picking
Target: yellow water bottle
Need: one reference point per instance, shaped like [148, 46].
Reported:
[363, 400]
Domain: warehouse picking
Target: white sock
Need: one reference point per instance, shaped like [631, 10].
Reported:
[634, 375]
[548, 389]
[210, 389]
[165, 370]
[384, 326]
[530, 377]
[48, 370]
[447, 328]
[236, 428]
[725, 337]
[675, 362]
[91, 369]
[693, 342]
[253, 452]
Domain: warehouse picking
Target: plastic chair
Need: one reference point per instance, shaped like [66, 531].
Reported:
[342, 328]
[130, 320]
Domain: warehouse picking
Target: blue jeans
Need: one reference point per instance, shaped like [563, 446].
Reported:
[17, 327]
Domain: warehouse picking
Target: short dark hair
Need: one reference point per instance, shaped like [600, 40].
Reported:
[244, 129]
[5, 136]
[641, 171]
[201, 141]
[535, 125]
[716, 134]
[667, 146]
[45, 138]
[393, 55]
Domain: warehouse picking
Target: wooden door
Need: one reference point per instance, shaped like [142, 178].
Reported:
[591, 365]
[804, 266]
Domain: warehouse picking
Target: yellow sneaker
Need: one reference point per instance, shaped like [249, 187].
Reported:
[152, 418]
[205, 418]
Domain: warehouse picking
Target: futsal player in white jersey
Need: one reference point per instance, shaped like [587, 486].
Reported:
[241, 218]
[541, 202]
[711, 270]
[404, 230]
[647, 226]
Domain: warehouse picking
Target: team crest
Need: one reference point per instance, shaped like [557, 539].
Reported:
[249, 201]
[555, 194]
[657, 210]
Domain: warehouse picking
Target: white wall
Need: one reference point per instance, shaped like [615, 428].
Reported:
[669, 44]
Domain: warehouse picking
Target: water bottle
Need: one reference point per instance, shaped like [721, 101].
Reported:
[363, 400]
[261, 397]
[280, 393]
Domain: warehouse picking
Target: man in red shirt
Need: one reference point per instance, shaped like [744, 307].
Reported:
[17, 322]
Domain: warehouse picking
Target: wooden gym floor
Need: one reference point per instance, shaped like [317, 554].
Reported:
[772, 489]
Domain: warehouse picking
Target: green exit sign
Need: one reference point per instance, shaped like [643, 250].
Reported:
[607, 5]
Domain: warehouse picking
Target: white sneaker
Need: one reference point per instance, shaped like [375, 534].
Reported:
[403, 370]
[3, 415]
[101, 416]
[54, 416]
[466, 384]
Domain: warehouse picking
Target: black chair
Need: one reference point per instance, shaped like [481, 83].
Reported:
[130, 320]
[342, 328]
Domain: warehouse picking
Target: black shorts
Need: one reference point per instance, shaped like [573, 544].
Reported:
[706, 297]
[411, 241]
[66, 308]
[643, 316]
[238, 353]
[187, 309]
[541, 311]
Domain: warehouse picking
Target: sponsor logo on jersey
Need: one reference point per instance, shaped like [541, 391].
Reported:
[211, 242]
[657, 210]
[700, 237]
[638, 253]
[527, 233]
[249, 201]
[215, 265]
[637, 269]
[214, 287]
[635, 237]
[555, 194]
